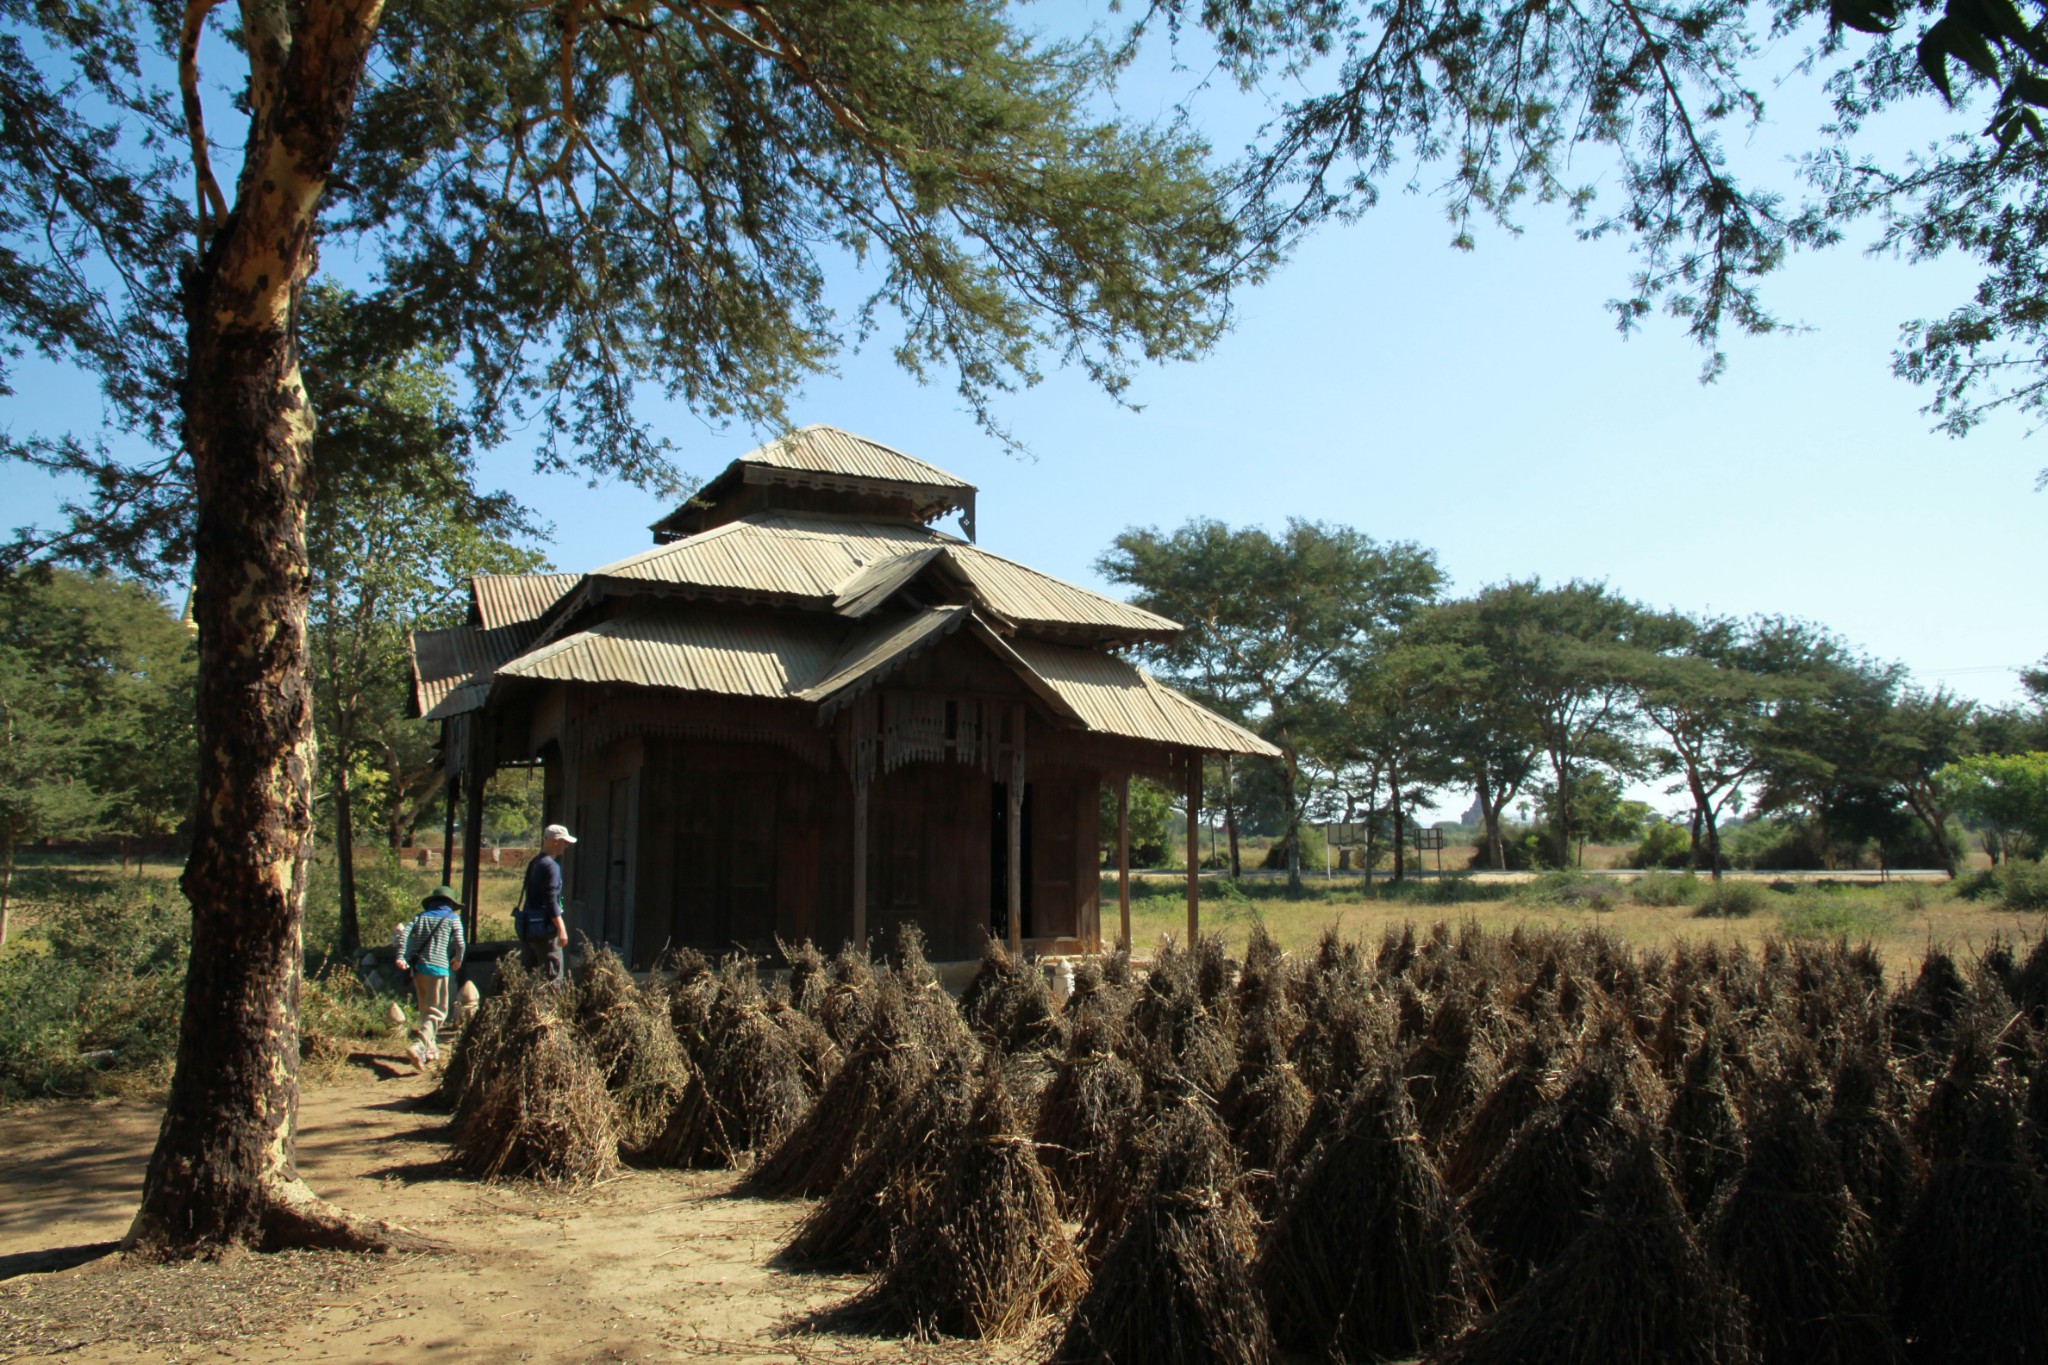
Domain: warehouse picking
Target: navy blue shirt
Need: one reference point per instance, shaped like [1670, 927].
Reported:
[542, 902]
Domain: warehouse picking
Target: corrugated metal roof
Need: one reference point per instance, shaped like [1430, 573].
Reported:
[826, 559]
[872, 585]
[881, 646]
[452, 668]
[807, 658]
[781, 554]
[1117, 698]
[825, 449]
[502, 599]
[1029, 597]
[733, 656]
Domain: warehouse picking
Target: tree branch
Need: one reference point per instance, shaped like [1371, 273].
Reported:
[195, 119]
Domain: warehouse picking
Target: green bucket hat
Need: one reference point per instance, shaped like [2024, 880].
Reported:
[440, 894]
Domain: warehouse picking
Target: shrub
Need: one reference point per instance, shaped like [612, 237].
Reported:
[1523, 848]
[1312, 852]
[1223, 889]
[336, 1009]
[1731, 900]
[387, 895]
[2013, 885]
[1572, 889]
[1664, 888]
[102, 997]
[1664, 845]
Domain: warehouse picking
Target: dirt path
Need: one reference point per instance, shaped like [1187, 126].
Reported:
[656, 1265]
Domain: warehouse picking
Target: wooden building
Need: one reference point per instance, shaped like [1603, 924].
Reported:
[806, 713]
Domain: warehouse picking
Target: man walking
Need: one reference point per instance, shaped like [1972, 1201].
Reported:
[430, 946]
[542, 933]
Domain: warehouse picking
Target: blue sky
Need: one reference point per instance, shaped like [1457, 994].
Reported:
[1480, 404]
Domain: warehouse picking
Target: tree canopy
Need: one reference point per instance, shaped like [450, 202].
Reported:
[95, 712]
[1272, 623]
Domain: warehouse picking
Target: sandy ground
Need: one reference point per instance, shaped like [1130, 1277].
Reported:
[654, 1265]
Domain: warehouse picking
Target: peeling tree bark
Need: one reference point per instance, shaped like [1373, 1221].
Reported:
[223, 1172]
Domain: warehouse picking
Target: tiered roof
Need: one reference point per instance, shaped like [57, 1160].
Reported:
[850, 597]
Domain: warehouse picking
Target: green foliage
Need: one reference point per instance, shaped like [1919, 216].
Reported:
[96, 680]
[1665, 889]
[387, 894]
[1313, 850]
[1152, 822]
[2007, 794]
[1572, 889]
[1730, 899]
[102, 995]
[1599, 814]
[335, 1008]
[565, 211]
[1834, 912]
[2015, 885]
[1568, 657]
[1665, 844]
[1273, 624]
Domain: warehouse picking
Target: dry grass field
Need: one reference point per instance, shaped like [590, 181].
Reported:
[1901, 919]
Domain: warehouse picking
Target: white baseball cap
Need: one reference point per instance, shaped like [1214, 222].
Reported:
[558, 832]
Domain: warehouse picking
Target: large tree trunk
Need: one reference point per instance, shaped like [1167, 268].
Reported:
[1563, 822]
[223, 1172]
[1489, 815]
[1934, 820]
[1704, 822]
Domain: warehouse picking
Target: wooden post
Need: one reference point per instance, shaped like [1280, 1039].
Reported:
[1123, 857]
[473, 830]
[860, 864]
[1015, 890]
[1194, 845]
[448, 835]
[864, 731]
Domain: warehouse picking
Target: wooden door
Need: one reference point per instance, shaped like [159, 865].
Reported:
[1053, 857]
[724, 862]
[749, 870]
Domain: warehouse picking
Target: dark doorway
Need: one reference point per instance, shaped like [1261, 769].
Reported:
[725, 861]
[999, 862]
[616, 830]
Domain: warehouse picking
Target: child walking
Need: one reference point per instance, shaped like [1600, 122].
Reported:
[430, 945]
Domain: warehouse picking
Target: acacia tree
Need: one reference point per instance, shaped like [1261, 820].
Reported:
[1919, 735]
[568, 198]
[1563, 661]
[1847, 749]
[1387, 724]
[1271, 623]
[1480, 700]
[1709, 688]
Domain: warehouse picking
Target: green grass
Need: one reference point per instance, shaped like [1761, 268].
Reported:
[1837, 912]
